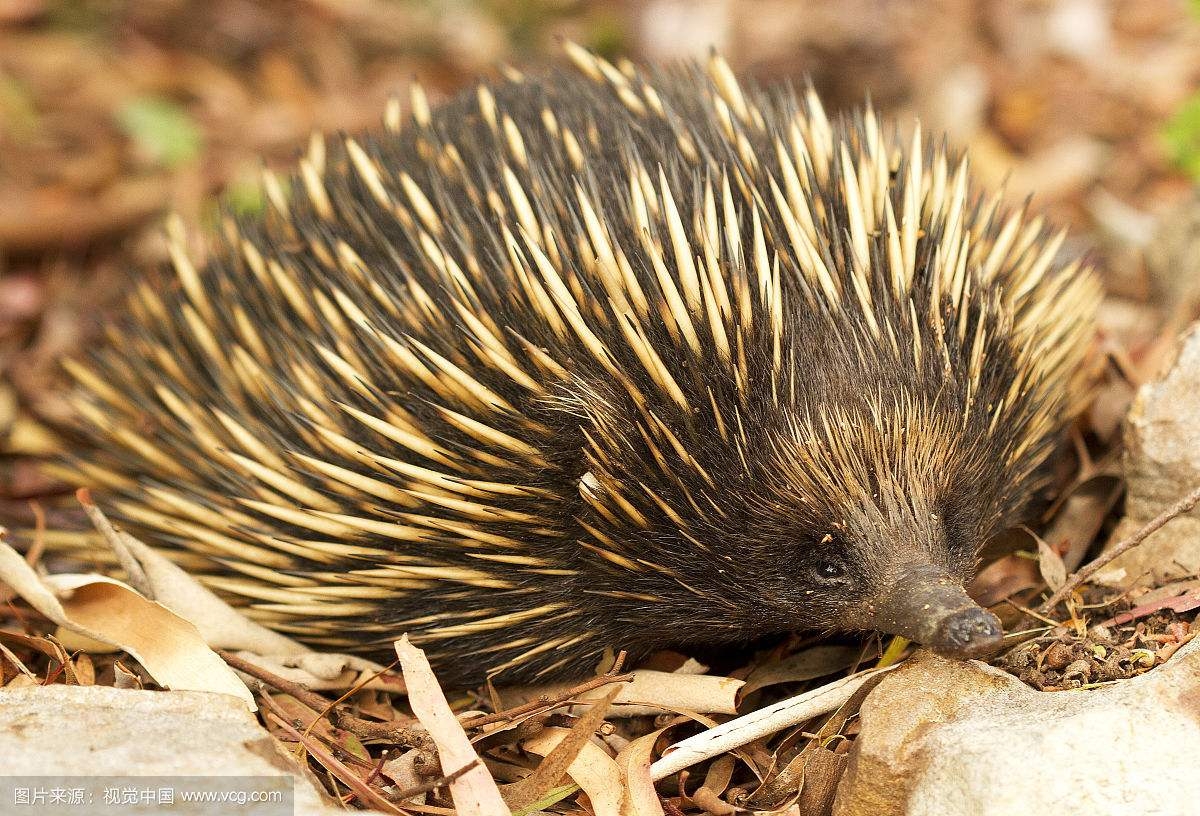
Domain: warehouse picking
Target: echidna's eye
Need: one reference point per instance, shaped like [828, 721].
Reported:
[830, 572]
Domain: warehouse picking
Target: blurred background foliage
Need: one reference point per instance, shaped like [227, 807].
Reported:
[113, 112]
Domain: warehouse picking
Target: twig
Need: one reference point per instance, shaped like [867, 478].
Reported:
[433, 784]
[410, 734]
[346, 776]
[1154, 525]
[1033, 613]
[757, 724]
[547, 702]
[350, 692]
[309, 698]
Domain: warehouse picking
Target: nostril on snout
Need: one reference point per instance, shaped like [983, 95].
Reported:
[969, 633]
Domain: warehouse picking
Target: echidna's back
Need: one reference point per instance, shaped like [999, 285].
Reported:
[458, 377]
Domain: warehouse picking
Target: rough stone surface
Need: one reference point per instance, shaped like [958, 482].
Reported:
[947, 738]
[1162, 464]
[1173, 257]
[94, 731]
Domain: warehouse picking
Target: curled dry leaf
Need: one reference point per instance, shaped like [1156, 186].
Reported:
[474, 791]
[651, 693]
[99, 613]
[23, 671]
[639, 797]
[45, 645]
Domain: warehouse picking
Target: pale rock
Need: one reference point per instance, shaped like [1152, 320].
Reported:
[951, 738]
[1162, 465]
[93, 731]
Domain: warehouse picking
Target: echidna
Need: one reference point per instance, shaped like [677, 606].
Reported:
[609, 360]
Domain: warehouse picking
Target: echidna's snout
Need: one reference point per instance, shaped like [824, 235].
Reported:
[927, 606]
[968, 633]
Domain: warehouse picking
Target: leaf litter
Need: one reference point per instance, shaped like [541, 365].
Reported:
[141, 131]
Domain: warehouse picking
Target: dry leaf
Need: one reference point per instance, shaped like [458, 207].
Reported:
[809, 664]
[104, 611]
[1050, 564]
[551, 770]
[1002, 579]
[822, 773]
[592, 769]
[651, 693]
[474, 792]
[403, 772]
[640, 798]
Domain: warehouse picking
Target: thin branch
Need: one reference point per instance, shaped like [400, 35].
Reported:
[409, 733]
[548, 702]
[434, 784]
[757, 724]
[1154, 525]
[346, 776]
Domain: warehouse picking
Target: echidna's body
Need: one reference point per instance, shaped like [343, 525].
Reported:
[607, 361]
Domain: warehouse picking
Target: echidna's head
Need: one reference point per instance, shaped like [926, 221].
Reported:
[892, 539]
[868, 516]
[859, 498]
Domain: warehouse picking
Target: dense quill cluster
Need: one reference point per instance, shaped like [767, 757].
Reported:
[609, 360]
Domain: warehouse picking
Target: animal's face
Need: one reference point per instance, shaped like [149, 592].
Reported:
[798, 524]
[895, 564]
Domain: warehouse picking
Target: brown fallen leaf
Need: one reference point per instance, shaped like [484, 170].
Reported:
[1050, 564]
[808, 664]
[98, 613]
[551, 770]
[593, 770]
[1004, 578]
[640, 798]
[821, 777]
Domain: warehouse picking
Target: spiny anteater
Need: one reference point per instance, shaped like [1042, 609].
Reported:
[609, 360]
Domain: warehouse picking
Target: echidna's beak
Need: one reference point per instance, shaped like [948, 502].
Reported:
[931, 608]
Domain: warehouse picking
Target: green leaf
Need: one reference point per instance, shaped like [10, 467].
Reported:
[245, 196]
[162, 130]
[1182, 135]
[552, 796]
